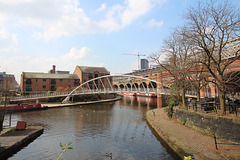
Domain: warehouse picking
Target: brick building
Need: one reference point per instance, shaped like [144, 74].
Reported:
[8, 82]
[86, 73]
[38, 83]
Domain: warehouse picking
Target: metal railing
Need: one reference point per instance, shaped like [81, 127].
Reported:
[93, 91]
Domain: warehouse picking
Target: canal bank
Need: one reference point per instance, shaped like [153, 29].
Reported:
[12, 141]
[185, 141]
[59, 105]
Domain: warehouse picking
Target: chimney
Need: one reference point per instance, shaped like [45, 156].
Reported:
[54, 69]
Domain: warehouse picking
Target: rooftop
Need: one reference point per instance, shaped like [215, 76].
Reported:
[87, 69]
[49, 75]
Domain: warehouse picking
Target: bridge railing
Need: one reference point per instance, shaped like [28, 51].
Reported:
[64, 93]
[107, 90]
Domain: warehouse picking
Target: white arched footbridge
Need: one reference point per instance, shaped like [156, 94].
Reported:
[122, 84]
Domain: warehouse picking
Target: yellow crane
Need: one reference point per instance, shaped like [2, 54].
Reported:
[138, 57]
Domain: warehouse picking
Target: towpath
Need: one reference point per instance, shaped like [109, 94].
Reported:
[187, 141]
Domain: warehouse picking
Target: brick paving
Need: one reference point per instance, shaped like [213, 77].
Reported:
[187, 141]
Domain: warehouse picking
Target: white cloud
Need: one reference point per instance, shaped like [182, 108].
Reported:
[15, 39]
[14, 2]
[102, 8]
[8, 49]
[135, 9]
[79, 54]
[154, 23]
[43, 63]
[8, 42]
[4, 34]
[58, 18]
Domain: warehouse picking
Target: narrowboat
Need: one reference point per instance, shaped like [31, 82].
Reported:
[22, 107]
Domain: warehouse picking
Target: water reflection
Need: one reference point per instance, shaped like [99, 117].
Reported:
[119, 128]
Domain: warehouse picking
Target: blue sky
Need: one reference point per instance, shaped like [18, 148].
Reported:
[36, 34]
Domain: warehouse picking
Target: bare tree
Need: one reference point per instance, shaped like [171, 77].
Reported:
[6, 90]
[214, 27]
[176, 48]
[197, 76]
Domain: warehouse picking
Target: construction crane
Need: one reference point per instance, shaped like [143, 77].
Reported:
[138, 57]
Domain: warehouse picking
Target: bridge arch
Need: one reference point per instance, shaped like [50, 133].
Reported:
[135, 86]
[115, 86]
[121, 86]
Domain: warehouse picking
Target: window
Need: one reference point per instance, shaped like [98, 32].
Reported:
[36, 80]
[53, 81]
[76, 82]
[53, 88]
[96, 75]
[28, 81]
[90, 76]
[43, 86]
[69, 86]
[60, 80]
[44, 80]
[28, 88]
[84, 74]
[36, 87]
[69, 80]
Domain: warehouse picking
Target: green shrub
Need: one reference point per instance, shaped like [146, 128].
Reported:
[171, 101]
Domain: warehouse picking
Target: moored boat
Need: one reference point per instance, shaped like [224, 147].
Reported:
[129, 94]
[22, 107]
[146, 95]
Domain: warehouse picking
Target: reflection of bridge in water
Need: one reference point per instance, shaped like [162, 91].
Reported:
[91, 87]
[145, 102]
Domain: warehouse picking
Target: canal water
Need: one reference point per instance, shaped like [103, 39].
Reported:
[117, 127]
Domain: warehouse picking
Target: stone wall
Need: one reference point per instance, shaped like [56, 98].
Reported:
[223, 128]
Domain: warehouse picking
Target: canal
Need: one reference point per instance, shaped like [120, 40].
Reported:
[117, 127]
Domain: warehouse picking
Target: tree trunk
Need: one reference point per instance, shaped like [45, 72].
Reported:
[1, 119]
[184, 105]
[222, 103]
[198, 95]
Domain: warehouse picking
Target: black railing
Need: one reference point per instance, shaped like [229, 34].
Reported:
[230, 143]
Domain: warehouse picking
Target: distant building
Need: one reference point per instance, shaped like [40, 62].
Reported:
[144, 64]
[86, 73]
[8, 82]
[39, 83]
